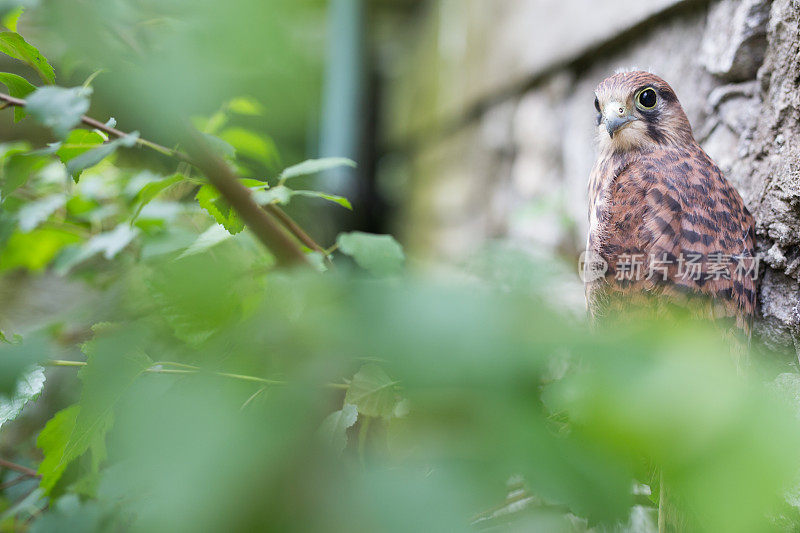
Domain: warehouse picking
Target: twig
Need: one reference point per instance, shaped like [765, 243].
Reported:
[15, 481]
[274, 210]
[18, 468]
[258, 220]
[182, 368]
[292, 226]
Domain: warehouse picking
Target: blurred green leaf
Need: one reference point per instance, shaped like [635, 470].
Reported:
[12, 44]
[200, 294]
[150, 191]
[78, 142]
[34, 250]
[250, 144]
[315, 166]
[53, 440]
[28, 388]
[11, 19]
[59, 108]
[18, 358]
[334, 428]
[115, 358]
[70, 514]
[372, 392]
[18, 167]
[210, 200]
[207, 240]
[341, 200]
[36, 212]
[244, 105]
[379, 254]
[93, 156]
[223, 147]
[279, 194]
[18, 87]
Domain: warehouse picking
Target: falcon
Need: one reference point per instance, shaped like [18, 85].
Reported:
[667, 230]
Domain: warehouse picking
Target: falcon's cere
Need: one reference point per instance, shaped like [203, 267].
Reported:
[668, 225]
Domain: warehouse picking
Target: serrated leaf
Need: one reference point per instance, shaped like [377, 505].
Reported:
[93, 156]
[53, 441]
[115, 360]
[207, 240]
[278, 194]
[341, 200]
[200, 293]
[18, 87]
[379, 254]
[314, 166]
[250, 144]
[12, 44]
[28, 388]
[372, 392]
[150, 191]
[333, 429]
[59, 108]
[210, 200]
[18, 358]
[244, 105]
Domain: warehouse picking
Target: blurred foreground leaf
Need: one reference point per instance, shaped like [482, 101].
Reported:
[379, 254]
[372, 392]
[59, 108]
[315, 166]
[334, 428]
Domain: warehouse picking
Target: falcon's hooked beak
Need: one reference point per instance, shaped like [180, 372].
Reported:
[616, 117]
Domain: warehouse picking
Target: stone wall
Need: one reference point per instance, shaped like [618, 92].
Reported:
[490, 118]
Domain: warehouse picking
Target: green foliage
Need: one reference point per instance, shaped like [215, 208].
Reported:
[16, 358]
[343, 398]
[315, 166]
[380, 254]
[18, 166]
[93, 156]
[36, 249]
[18, 87]
[59, 108]
[210, 200]
[149, 192]
[334, 428]
[372, 392]
[12, 44]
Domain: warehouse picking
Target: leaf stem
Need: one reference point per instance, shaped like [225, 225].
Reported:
[18, 468]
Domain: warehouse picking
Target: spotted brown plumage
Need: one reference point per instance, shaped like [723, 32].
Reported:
[659, 204]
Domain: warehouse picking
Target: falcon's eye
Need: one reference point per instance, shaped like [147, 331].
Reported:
[597, 104]
[646, 99]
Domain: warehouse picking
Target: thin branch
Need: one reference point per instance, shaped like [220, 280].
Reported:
[18, 468]
[292, 226]
[182, 368]
[15, 481]
[274, 210]
[262, 224]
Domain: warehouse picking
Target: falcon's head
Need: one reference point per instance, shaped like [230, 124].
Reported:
[637, 110]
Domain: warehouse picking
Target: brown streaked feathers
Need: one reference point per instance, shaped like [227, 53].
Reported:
[654, 193]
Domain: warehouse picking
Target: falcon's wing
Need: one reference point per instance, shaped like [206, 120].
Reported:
[693, 215]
